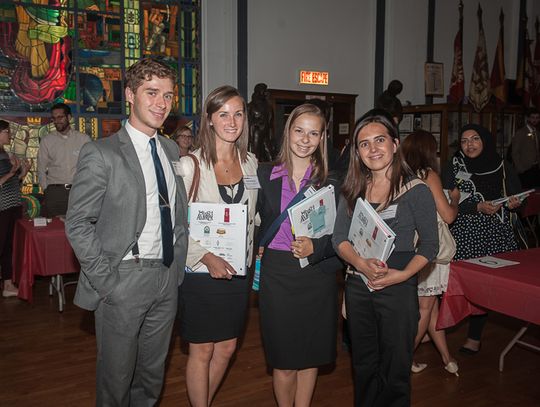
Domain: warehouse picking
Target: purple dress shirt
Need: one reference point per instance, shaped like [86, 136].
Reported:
[284, 238]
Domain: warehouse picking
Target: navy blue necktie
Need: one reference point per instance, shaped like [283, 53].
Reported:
[164, 207]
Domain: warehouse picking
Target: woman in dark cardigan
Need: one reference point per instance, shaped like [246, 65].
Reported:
[381, 298]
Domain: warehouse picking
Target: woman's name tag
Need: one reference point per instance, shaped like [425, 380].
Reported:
[177, 167]
[251, 182]
[388, 213]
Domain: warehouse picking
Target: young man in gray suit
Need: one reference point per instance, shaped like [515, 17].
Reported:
[127, 223]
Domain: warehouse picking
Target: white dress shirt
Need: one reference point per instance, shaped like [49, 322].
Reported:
[150, 244]
[57, 157]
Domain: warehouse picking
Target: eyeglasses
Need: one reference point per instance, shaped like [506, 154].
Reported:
[185, 136]
[473, 139]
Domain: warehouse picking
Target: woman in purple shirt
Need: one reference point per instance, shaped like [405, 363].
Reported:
[298, 306]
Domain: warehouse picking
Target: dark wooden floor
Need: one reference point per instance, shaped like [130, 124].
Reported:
[48, 359]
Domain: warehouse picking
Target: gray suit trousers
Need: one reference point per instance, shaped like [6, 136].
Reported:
[133, 331]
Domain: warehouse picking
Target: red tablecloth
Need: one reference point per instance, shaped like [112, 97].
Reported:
[511, 290]
[42, 251]
[532, 205]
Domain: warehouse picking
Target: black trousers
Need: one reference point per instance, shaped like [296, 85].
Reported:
[8, 218]
[56, 201]
[382, 327]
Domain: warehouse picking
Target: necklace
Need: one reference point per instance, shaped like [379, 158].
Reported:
[227, 167]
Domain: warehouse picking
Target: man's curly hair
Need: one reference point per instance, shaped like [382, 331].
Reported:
[144, 69]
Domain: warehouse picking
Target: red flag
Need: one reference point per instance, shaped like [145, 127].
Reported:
[499, 87]
[525, 74]
[457, 82]
[479, 90]
[536, 66]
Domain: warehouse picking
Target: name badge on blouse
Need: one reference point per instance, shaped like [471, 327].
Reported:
[463, 175]
[177, 168]
[251, 182]
[388, 213]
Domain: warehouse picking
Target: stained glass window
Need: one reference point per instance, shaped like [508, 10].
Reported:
[75, 52]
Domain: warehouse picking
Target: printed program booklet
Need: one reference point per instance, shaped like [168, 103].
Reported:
[222, 230]
[370, 236]
[314, 216]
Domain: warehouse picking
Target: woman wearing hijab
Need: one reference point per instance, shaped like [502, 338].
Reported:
[481, 228]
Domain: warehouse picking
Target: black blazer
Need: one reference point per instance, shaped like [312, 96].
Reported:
[269, 208]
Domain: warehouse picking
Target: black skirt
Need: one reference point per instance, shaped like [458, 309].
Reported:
[212, 310]
[298, 310]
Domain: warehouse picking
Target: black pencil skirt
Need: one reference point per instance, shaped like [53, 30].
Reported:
[298, 311]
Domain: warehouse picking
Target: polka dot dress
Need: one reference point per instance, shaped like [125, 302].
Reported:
[478, 234]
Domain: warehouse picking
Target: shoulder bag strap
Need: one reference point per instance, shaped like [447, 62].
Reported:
[405, 188]
[272, 230]
[194, 189]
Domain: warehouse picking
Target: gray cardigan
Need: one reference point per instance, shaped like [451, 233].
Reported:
[415, 211]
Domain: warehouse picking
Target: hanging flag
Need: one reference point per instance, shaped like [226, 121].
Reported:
[499, 88]
[479, 90]
[536, 67]
[525, 74]
[457, 82]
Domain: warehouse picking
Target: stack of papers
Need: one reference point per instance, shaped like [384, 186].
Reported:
[314, 216]
[370, 236]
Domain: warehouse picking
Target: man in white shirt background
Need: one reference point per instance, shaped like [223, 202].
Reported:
[57, 160]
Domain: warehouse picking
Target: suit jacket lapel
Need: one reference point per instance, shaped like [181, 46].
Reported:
[128, 150]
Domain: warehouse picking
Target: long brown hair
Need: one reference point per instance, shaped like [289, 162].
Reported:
[206, 139]
[318, 159]
[359, 175]
[419, 150]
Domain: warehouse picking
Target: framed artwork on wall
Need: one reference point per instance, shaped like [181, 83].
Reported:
[434, 79]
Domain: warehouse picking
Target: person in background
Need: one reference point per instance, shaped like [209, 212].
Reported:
[381, 297]
[213, 306]
[183, 136]
[482, 227]
[12, 171]
[389, 101]
[419, 149]
[298, 306]
[127, 224]
[526, 150]
[57, 161]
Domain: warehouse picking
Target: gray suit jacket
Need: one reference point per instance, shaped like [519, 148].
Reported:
[107, 212]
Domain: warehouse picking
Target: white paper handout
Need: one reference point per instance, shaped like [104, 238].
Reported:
[314, 216]
[521, 196]
[222, 230]
[492, 262]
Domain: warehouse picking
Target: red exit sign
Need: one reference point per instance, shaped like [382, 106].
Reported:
[314, 77]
